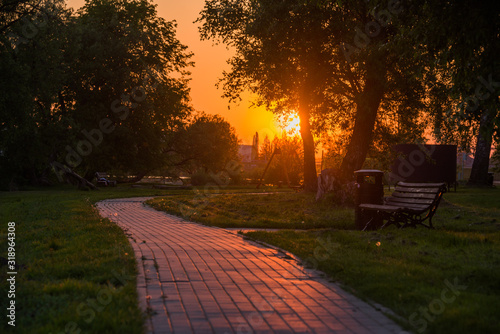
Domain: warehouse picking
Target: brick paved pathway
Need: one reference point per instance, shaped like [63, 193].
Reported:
[199, 279]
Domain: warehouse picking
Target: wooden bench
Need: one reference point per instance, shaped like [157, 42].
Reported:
[411, 204]
[103, 180]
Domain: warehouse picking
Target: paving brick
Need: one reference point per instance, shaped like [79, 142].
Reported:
[199, 279]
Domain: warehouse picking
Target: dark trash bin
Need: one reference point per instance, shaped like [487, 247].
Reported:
[491, 179]
[369, 190]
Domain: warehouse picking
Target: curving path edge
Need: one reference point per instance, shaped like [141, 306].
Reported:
[199, 279]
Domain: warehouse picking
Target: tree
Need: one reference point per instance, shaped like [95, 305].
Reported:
[132, 72]
[266, 150]
[284, 80]
[34, 124]
[463, 62]
[496, 158]
[103, 90]
[208, 143]
[299, 56]
[286, 166]
[14, 11]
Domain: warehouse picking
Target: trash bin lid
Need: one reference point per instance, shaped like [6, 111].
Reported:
[368, 172]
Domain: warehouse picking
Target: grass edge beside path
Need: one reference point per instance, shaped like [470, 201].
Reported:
[286, 210]
[75, 269]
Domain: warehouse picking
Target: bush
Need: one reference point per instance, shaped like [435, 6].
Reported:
[200, 178]
[236, 178]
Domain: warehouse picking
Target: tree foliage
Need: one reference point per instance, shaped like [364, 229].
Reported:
[464, 72]
[33, 126]
[208, 143]
[340, 65]
[105, 89]
[275, 58]
[125, 63]
[286, 166]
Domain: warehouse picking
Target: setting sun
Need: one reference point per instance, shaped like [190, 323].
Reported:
[290, 124]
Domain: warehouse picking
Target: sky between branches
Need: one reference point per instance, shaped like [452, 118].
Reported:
[210, 62]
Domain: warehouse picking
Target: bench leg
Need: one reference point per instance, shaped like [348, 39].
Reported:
[402, 220]
[391, 221]
[368, 224]
[429, 226]
[375, 221]
[395, 218]
[413, 221]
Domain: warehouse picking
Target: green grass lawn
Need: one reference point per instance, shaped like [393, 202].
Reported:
[283, 210]
[445, 280]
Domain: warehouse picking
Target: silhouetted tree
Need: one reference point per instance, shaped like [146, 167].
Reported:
[330, 61]
[208, 143]
[266, 150]
[105, 89]
[286, 166]
[34, 122]
[131, 70]
[464, 79]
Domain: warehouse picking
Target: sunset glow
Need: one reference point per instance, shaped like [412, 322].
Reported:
[290, 124]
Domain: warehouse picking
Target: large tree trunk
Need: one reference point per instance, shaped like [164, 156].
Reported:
[366, 115]
[310, 176]
[479, 172]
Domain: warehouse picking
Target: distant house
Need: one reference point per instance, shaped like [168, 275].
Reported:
[249, 155]
[246, 153]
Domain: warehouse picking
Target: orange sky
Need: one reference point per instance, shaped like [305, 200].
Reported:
[210, 61]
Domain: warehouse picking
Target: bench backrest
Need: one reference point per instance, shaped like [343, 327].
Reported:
[417, 195]
[101, 175]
